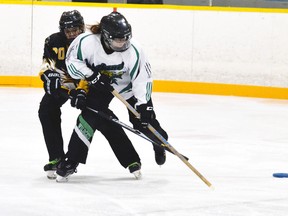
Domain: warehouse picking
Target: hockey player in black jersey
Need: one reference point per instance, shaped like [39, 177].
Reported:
[57, 83]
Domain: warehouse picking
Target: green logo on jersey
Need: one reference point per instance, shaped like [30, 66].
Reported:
[114, 72]
[113, 76]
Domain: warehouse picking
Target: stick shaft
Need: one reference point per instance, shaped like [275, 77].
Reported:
[162, 139]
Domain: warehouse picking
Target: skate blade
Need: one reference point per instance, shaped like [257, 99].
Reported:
[61, 179]
[137, 174]
[51, 174]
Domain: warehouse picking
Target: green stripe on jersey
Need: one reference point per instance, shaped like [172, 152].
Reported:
[134, 69]
[79, 52]
[72, 69]
[149, 91]
[126, 89]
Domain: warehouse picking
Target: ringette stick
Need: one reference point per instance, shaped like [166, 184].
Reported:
[162, 139]
[137, 132]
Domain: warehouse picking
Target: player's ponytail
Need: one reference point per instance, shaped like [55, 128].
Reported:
[95, 29]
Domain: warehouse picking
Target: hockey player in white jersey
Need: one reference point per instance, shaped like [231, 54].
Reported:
[108, 58]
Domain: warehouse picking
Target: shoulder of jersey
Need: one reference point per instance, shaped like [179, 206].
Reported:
[57, 38]
[88, 39]
[57, 35]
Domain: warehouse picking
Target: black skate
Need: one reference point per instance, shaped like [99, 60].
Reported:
[51, 168]
[135, 169]
[160, 156]
[65, 169]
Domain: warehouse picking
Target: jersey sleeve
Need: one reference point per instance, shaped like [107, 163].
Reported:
[48, 49]
[141, 77]
[49, 56]
[78, 53]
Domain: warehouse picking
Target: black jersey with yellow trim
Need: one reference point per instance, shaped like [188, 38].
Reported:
[55, 48]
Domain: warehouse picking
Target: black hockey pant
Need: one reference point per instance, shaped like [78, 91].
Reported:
[154, 122]
[87, 124]
[50, 117]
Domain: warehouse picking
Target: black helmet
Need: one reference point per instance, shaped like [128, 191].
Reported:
[116, 31]
[71, 19]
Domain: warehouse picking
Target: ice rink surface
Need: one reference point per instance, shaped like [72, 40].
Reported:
[236, 143]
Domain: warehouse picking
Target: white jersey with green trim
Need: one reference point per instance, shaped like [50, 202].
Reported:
[129, 71]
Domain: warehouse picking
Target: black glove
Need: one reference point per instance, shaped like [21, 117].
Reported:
[146, 114]
[101, 82]
[78, 98]
[51, 81]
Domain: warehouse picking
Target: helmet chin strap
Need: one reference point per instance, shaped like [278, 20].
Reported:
[106, 46]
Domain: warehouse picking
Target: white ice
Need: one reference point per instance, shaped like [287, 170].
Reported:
[236, 143]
